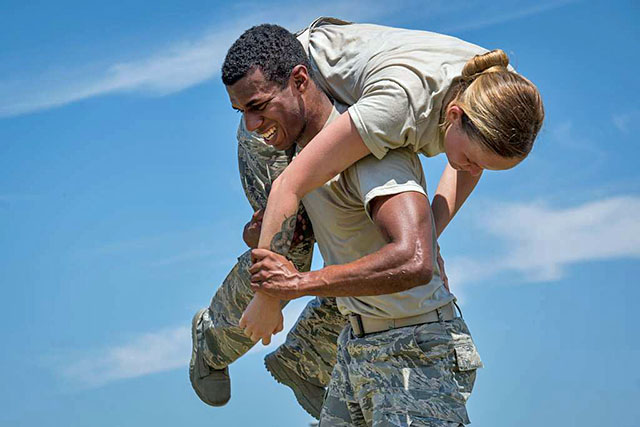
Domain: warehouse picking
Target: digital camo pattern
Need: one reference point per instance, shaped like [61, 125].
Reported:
[225, 340]
[311, 344]
[259, 165]
[413, 376]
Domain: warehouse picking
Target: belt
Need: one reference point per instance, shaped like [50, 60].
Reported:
[362, 325]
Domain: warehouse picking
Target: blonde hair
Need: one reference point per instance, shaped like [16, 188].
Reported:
[502, 110]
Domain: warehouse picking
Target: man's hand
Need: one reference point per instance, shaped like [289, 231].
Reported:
[262, 318]
[274, 275]
[251, 232]
[443, 275]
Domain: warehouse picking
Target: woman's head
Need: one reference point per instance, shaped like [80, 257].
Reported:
[494, 118]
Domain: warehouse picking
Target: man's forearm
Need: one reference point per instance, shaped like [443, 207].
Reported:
[405, 261]
[453, 189]
[389, 270]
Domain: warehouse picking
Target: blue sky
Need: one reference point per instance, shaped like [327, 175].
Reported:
[121, 212]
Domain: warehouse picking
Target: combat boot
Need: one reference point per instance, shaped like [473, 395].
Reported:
[308, 395]
[213, 386]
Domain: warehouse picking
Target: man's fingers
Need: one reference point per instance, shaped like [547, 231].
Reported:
[256, 267]
[260, 276]
[266, 340]
[259, 254]
[243, 322]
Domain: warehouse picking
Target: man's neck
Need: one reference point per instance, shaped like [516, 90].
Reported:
[318, 112]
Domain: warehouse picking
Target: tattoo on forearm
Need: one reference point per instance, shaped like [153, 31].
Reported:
[281, 242]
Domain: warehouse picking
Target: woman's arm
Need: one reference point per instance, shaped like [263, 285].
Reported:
[453, 189]
[331, 151]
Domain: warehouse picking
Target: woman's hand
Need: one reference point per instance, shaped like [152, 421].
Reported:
[251, 232]
[274, 275]
[262, 318]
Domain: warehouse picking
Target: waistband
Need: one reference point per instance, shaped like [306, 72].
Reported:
[362, 325]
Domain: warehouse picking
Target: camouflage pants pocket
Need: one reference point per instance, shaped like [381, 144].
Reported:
[438, 385]
[401, 377]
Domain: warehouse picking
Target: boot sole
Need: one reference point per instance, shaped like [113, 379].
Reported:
[301, 388]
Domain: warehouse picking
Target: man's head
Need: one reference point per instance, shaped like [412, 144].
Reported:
[267, 75]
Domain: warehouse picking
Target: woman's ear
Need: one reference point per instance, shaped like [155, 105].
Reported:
[454, 114]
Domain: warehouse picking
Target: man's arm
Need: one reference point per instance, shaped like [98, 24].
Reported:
[404, 262]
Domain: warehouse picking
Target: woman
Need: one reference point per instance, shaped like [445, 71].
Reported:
[408, 88]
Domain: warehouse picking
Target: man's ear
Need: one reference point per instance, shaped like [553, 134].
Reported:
[300, 78]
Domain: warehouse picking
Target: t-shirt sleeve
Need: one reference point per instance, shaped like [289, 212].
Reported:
[384, 117]
[398, 172]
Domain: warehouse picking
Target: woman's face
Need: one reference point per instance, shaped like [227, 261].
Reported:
[465, 154]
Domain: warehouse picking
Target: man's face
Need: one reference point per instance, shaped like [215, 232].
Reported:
[276, 114]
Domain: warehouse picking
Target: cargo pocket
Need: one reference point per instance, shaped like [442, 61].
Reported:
[467, 357]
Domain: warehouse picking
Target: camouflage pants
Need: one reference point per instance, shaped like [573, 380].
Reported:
[310, 347]
[413, 376]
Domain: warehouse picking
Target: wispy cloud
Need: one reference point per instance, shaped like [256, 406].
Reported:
[171, 69]
[178, 67]
[146, 354]
[187, 63]
[541, 241]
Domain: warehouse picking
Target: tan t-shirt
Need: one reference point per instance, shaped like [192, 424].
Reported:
[394, 79]
[345, 232]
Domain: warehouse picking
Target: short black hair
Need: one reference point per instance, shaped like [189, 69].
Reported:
[269, 47]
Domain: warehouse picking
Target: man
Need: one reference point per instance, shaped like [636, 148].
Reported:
[412, 360]
[306, 360]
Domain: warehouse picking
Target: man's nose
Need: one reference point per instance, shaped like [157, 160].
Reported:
[252, 121]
